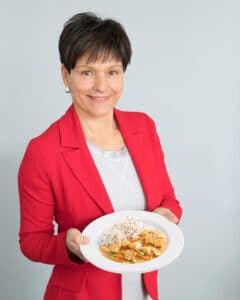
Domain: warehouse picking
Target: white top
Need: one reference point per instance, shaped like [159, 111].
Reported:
[125, 192]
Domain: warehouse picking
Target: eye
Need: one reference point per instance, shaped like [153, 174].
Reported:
[113, 73]
[86, 73]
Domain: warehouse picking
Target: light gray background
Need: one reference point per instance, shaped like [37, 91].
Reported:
[185, 73]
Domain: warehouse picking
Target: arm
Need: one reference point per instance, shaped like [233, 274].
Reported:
[37, 208]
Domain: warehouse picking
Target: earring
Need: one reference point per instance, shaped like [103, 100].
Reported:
[67, 91]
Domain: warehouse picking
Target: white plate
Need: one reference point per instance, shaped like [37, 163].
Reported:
[95, 230]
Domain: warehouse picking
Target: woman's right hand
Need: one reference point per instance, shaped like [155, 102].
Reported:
[74, 238]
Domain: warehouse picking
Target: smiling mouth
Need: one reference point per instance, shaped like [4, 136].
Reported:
[99, 98]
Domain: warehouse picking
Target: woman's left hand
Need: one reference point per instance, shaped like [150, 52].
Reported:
[166, 212]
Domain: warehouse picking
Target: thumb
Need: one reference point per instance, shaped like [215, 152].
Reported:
[79, 238]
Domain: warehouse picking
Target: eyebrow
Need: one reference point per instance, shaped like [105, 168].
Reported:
[88, 66]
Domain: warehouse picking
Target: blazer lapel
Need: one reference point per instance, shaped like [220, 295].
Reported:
[139, 149]
[79, 159]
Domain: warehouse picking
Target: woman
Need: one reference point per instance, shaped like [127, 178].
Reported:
[94, 160]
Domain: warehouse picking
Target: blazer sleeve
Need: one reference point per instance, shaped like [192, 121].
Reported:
[37, 207]
[169, 199]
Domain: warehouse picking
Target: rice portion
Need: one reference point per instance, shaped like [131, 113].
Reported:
[127, 230]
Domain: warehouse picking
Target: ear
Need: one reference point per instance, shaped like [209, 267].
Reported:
[65, 75]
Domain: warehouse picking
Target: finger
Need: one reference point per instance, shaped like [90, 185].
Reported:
[165, 212]
[78, 238]
[172, 218]
[161, 210]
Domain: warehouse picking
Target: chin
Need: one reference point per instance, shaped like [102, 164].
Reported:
[101, 112]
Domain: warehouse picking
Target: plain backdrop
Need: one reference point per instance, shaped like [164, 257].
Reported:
[185, 73]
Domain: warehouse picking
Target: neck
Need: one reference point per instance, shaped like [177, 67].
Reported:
[97, 126]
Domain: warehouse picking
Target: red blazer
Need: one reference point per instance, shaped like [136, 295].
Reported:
[58, 180]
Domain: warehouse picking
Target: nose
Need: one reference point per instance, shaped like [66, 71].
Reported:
[100, 83]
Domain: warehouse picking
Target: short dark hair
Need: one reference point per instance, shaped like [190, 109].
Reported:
[86, 33]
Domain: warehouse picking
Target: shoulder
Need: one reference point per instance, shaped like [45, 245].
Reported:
[49, 138]
[44, 146]
[40, 154]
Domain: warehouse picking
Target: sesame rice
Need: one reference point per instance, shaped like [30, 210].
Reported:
[126, 230]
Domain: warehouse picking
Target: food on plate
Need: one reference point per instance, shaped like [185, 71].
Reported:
[133, 241]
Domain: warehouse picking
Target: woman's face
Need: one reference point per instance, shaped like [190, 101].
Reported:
[95, 87]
